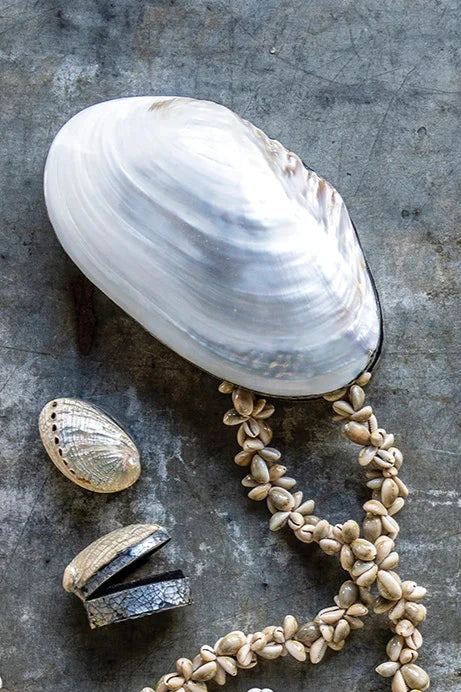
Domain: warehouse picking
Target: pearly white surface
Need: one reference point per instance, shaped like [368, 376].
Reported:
[217, 240]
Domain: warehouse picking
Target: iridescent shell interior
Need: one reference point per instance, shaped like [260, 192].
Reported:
[87, 446]
[218, 240]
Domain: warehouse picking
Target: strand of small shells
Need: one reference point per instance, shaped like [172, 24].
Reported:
[369, 558]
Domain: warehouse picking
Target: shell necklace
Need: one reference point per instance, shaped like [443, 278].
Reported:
[367, 553]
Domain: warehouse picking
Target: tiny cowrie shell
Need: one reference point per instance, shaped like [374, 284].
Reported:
[398, 683]
[357, 610]
[383, 546]
[397, 610]
[265, 432]
[389, 562]
[259, 641]
[327, 632]
[388, 586]
[372, 423]
[336, 395]
[398, 456]
[278, 520]
[346, 557]
[330, 616]
[228, 664]
[308, 633]
[232, 417]
[414, 592]
[321, 530]
[329, 546]
[356, 432]
[270, 454]
[271, 651]
[350, 531]
[363, 549]
[205, 672]
[251, 427]
[230, 644]
[277, 471]
[243, 401]
[252, 445]
[278, 635]
[285, 482]
[388, 669]
[415, 676]
[367, 455]
[396, 506]
[348, 594]
[415, 640]
[390, 525]
[375, 507]
[363, 414]
[260, 492]
[298, 498]
[375, 483]
[367, 578]
[259, 469]
[394, 647]
[342, 631]
[282, 499]
[241, 436]
[317, 650]
[408, 656]
[357, 396]
[173, 681]
[296, 650]
[258, 407]
[249, 482]
[244, 655]
[415, 612]
[305, 534]
[355, 623]
[243, 458]
[207, 653]
[360, 567]
[306, 507]
[295, 521]
[403, 490]
[376, 438]
[372, 527]
[405, 628]
[184, 667]
[388, 441]
[225, 387]
[290, 626]
[343, 408]
[389, 492]
[267, 411]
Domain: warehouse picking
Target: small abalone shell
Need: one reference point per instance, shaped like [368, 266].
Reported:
[88, 446]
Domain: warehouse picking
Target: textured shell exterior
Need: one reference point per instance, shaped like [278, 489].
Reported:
[217, 240]
[88, 447]
[102, 551]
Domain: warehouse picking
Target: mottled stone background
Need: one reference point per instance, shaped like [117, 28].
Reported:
[368, 93]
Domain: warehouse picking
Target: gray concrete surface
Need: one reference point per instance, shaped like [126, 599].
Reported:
[368, 93]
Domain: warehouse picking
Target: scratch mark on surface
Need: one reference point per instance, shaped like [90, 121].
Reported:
[380, 126]
[7, 566]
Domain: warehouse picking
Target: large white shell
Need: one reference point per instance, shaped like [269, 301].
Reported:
[87, 446]
[217, 240]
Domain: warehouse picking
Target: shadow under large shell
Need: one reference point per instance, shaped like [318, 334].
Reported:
[217, 240]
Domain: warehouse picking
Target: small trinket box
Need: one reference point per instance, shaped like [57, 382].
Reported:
[92, 577]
